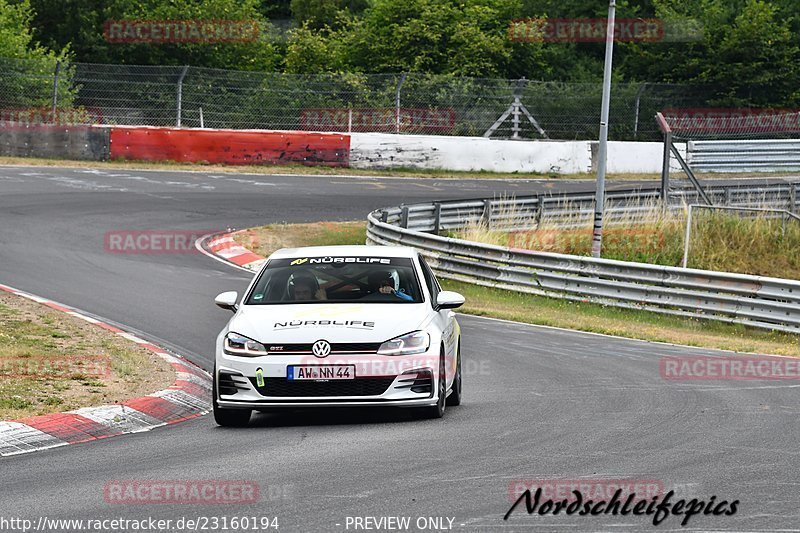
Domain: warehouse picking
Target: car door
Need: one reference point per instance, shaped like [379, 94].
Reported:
[444, 319]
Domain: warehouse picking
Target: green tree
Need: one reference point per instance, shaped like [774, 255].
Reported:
[748, 54]
[16, 35]
[318, 14]
[27, 79]
[433, 36]
[80, 24]
[311, 51]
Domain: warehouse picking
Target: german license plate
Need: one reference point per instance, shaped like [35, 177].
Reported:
[320, 372]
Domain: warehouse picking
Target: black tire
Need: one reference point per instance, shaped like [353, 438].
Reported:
[437, 411]
[227, 417]
[455, 396]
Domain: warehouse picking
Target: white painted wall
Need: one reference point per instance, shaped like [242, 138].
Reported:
[382, 150]
[626, 157]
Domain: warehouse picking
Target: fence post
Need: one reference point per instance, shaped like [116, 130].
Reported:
[636, 111]
[437, 217]
[397, 102]
[180, 96]
[793, 197]
[727, 196]
[515, 129]
[55, 88]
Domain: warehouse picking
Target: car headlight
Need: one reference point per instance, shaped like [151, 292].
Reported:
[236, 344]
[410, 343]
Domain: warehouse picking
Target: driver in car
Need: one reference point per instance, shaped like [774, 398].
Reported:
[306, 288]
[383, 281]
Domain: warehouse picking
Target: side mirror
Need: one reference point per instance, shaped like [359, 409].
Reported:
[449, 300]
[227, 300]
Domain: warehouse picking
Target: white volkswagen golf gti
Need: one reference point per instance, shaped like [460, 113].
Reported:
[339, 326]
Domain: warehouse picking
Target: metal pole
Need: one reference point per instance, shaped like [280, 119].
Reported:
[202, 123]
[686, 237]
[55, 88]
[180, 95]
[665, 171]
[599, 200]
[397, 102]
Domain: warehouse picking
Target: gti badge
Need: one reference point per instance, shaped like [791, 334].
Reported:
[321, 349]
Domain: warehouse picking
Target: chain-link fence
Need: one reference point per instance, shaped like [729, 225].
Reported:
[394, 103]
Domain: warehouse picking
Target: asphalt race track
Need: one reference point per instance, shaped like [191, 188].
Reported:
[539, 403]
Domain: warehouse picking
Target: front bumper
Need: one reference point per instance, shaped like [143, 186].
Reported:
[297, 404]
[405, 381]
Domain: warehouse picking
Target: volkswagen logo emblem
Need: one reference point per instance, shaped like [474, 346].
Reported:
[321, 349]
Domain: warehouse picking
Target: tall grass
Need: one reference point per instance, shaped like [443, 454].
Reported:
[720, 240]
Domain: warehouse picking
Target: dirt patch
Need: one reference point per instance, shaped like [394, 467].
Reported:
[52, 362]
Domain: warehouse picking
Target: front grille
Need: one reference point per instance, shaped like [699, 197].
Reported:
[336, 347]
[282, 387]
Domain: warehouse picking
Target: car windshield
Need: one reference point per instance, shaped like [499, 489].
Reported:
[361, 279]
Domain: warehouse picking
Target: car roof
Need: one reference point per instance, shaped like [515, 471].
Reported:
[345, 251]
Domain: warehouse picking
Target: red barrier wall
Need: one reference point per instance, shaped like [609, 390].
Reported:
[231, 147]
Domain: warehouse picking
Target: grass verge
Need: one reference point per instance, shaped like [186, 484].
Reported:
[723, 241]
[52, 362]
[498, 303]
[339, 171]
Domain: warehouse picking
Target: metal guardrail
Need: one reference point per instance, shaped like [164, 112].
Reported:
[770, 303]
[744, 156]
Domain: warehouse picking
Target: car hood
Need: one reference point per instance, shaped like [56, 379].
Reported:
[374, 322]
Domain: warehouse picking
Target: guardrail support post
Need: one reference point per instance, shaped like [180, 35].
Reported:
[437, 217]
[384, 216]
[539, 211]
[486, 217]
[404, 216]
